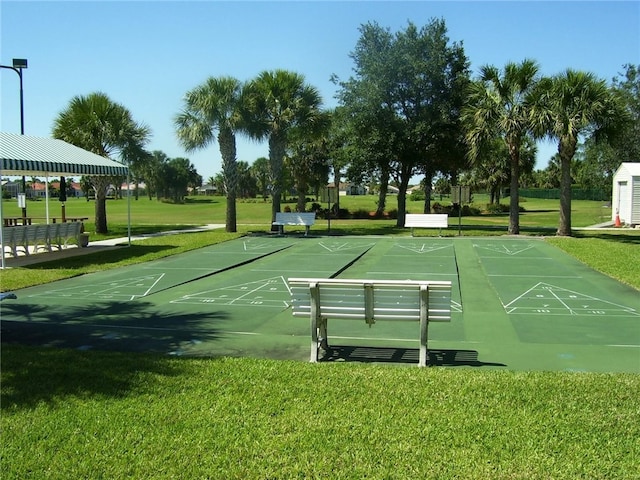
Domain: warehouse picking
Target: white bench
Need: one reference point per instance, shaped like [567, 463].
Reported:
[369, 300]
[62, 234]
[295, 218]
[426, 220]
[30, 239]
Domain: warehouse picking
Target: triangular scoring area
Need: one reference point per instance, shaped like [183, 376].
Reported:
[267, 292]
[249, 246]
[546, 299]
[121, 290]
[423, 247]
[505, 249]
[343, 246]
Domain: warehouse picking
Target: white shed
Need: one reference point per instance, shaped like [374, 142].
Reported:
[625, 203]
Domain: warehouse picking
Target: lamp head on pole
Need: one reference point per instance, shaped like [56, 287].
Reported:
[19, 63]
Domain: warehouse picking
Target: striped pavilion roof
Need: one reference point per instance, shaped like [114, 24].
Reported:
[26, 155]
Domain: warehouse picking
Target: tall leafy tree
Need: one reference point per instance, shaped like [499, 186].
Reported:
[211, 107]
[154, 173]
[277, 102]
[499, 107]
[405, 99]
[565, 107]
[260, 171]
[96, 123]
[627, 143]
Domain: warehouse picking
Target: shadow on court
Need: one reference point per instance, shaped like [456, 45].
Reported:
[128, 326]
[441, 358]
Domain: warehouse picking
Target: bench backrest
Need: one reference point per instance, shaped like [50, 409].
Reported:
[296, 218]
[37, 232]
[433, 220]
[371, 299]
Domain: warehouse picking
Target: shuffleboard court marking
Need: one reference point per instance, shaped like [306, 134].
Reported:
[342, 246]
[423, 247]
[266, 292]
[531, 276]
[249, 246]
[123, 290]
[514, 249]
[547, 299]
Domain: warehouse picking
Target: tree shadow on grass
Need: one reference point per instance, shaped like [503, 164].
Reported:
[77, 363]
[627, 238]
[106, 257]
[443, 358]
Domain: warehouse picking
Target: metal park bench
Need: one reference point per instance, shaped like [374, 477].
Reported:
[62, 234]
[30, 239]
[369, 300]
[294, 218]
[426, 220]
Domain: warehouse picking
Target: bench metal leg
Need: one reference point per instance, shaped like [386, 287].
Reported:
[318, 338]
[424, 325]
[314, 340]
[423, 346]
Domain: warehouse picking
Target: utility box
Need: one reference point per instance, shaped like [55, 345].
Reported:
[625, 204]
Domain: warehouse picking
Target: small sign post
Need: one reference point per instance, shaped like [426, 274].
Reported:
[328, 194]
[459, 195]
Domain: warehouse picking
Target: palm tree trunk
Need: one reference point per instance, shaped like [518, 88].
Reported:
[227, 142]
[276, 158]
[100, 185]
[514, 193]
[566, 151]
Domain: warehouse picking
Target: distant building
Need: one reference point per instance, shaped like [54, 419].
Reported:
[626, 194]
[11, 188]
[346, 188]
[207, 190]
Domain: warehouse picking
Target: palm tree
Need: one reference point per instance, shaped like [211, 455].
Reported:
[275, 103]
[567, 106]
[99, 125]
[215, 105]
[499, 107]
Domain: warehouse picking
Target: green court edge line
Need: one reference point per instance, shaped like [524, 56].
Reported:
[225, 269]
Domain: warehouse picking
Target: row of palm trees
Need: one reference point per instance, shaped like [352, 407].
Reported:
[274, 106]
[513, 105]
[517, 104]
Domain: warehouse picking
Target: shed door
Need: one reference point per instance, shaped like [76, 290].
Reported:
[635, 201]
[624, 205]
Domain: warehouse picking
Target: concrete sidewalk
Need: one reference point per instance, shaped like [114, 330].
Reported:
[93, 247]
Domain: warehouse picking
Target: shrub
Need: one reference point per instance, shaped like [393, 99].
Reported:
[495, 209]
[417, 196]
[360, 214]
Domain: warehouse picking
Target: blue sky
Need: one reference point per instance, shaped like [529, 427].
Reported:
[146, 55]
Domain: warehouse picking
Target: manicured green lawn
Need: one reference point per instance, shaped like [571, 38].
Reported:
[72, 414]
[202, 210]
[69, 414]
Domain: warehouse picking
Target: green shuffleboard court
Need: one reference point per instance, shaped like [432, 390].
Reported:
[518, 304]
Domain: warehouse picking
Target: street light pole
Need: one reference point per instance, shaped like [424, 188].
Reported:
[17, 66]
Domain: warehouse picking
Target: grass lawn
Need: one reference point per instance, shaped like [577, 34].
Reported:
[72, 414]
